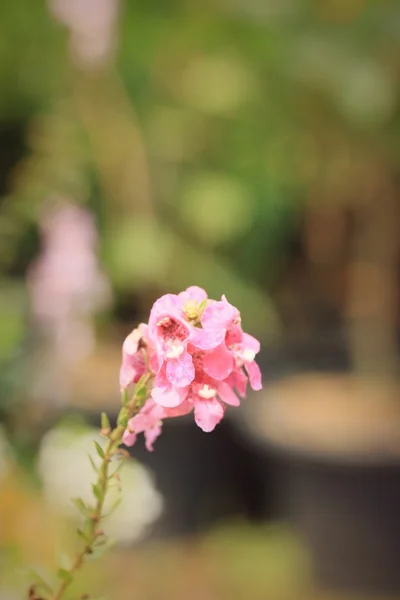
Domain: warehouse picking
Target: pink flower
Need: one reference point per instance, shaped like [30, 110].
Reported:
[245, 353]
[199, 358]
[133, 360]
[170, 334]
[147, 421]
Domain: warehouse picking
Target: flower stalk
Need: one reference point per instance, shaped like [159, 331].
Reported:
[94, 540]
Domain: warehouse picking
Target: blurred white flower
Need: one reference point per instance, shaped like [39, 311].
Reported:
[66, 473]
[92, 27]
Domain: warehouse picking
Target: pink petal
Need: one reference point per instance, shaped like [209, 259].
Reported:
[126, 376]
[150, 436]
[183, 409]
[139, 422]
[180, 371]
[218, 363]
[128, 438]
[193, 293]
[133, 367]
[131, 343]
[207, 413]
[130, 373]
[227, 394]
[219, 315]
[234, 335]
[250, 342]
[240, 383]
[254, 373]
[168, 396]
[207, 339]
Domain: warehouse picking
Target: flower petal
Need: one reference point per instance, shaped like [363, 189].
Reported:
[207, 413]
[150, 436]
[169, 396]
[195, 293]
[180, 371]
[227, 395]
[219, 315]
[218, 363]
[254, 373]
[183, 409]
[129, 437]
[251, 343]
[131, 370]
[240, 382]
[207, 339]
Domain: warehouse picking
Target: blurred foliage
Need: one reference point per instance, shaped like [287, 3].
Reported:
[199, 147]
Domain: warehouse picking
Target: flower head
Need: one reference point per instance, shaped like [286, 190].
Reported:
[199, 359]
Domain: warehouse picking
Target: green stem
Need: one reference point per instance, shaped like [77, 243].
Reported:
[92, 534]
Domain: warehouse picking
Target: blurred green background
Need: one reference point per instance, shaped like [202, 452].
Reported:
[232, 144]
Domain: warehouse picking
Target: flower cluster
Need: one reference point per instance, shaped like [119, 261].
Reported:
[199, 360]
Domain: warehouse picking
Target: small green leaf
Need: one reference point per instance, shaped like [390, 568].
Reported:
[86, 511]
[97, 490]
[65, 576]
[141, 393]
[124, 397]
[99, 450]
[105, 422]
[123, 417]
[84, 536]
[93, 464]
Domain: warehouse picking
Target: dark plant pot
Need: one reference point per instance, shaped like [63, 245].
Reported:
[336, 476]
[348, 514]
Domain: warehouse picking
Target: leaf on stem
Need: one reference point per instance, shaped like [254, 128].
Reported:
[123, 417]
[97, 490]
[85, 510]
[84, 536]
[99, 450]
[105, 424]
[124, 397]
[141, 394]
[65, 576]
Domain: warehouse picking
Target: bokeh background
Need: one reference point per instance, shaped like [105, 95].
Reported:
[250, 147]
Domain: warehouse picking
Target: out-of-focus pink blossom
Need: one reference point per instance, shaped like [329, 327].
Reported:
[200, 360]
[92, 27]
[65, 283]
